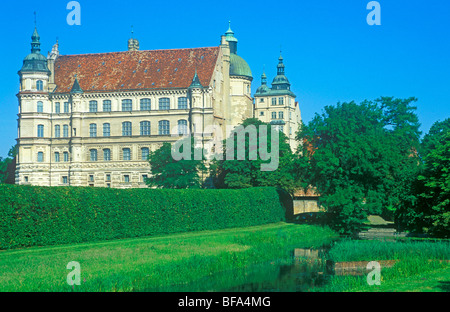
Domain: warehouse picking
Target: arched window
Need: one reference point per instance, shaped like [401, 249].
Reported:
[40, 107]
[164, 127]
[145, 151]
[65, 131]
[57, 131]
[127, 105]
[93, 106]
[40, 132]
[93, 154]
[182, 103]
[126, 154]
[145, 127]
[106, 130]
[93, 130]
[164, 103]
[106, 154]
[106, 105]
[126, 128]
[182, 127]
[146, 104]
[40, 85]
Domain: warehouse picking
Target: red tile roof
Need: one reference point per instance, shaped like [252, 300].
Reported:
[135, 70]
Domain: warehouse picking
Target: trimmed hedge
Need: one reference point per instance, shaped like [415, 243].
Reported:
[42, 216]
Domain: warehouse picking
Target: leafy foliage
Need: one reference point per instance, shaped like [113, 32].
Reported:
[166, 172]
[247, 173]
[362, 158]
[41, 216]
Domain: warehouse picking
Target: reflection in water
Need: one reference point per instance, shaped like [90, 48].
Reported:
[306, 269]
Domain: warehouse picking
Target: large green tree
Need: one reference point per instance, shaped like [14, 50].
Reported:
[248, 172]
[362, 158]
[7, 166]
[167, 172]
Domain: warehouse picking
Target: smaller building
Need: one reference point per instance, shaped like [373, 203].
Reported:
[277, 105]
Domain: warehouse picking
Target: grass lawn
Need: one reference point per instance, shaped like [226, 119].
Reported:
[145, 263]
[423, 266]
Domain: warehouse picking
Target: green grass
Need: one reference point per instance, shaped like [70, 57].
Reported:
[422, 265]
[154, 262]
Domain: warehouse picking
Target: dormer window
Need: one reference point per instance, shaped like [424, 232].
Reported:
[40, 85]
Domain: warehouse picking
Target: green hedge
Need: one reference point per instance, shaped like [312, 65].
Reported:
[42, 216]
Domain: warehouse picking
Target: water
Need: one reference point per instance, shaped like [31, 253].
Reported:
[304, 270]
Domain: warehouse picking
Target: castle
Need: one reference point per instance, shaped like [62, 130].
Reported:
[93, 119]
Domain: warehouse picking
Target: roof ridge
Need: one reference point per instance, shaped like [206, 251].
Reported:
[140, 51]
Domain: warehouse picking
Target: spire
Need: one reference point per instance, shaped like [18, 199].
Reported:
[195, 81]
[35, 43]
[232, 41]
[76, 87]
[133, 44]
[263, 76]
[280, 66]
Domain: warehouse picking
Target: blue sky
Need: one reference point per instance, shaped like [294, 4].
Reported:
[331, 53]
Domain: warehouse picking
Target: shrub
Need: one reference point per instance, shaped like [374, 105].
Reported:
[41, 216]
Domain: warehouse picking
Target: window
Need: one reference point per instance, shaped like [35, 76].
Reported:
[290, 115]
[57, 107]
[108, 178]
[65, 131]
[164, 127]
[66, 107]
[127, 105]
[106, 105]
[126, 178]
[274, 101]
[182, 127]
[164, 104]
[280, 101]
[57, 131]
[280, 115]
[144, 178]
[40, 85]
[40, 107]
[93, 130]
[261, 113]
[182, 103]
[108, 185]
[126, 128]
[145, 152]
[66, 156]
[40, 156]
[145, 127]
[92, 106]
[274, 115]
[26, 179]
[106, 130]
[106, 154]
[91, 178]
[65, 180]
[145, 104]
[40, 132]
[93, 155]
[56, 157]
[261, 100]
[126, 154]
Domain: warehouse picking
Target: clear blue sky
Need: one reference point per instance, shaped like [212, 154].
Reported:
[331, 53]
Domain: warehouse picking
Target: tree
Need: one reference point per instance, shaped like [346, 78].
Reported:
[166, 172]
[437, 131]
[362, 158]
[435, 200]
[248, 172]
[7, 166]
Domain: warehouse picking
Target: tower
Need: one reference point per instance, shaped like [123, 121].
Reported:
[277, 105]
[34, 122]
[241, 102]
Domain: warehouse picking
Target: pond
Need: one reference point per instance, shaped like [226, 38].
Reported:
[304, 270]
